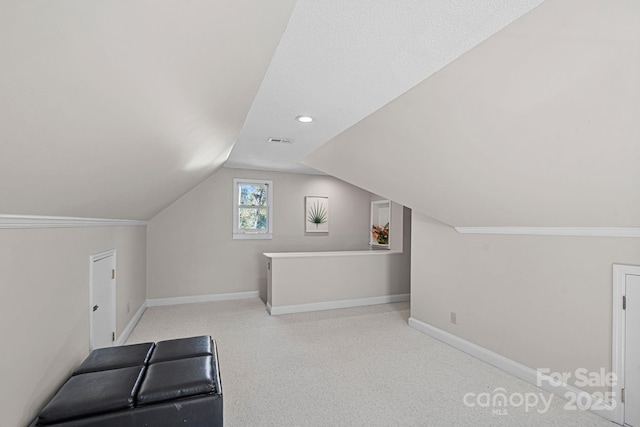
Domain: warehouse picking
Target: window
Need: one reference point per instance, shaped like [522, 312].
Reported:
[252, 209]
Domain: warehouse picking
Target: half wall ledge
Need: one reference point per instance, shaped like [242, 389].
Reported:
[311, 281]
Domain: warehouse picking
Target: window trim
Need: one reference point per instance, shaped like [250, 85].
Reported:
[244, 234]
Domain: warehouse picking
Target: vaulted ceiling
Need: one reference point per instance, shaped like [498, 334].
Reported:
[339, 61]
[115, 109]
[537, 126]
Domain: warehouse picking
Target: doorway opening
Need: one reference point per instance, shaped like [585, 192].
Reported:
[626, 344]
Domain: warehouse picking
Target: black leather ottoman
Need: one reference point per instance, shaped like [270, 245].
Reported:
[125, 356]
[93, 393]
[181, 348]
[181, 387]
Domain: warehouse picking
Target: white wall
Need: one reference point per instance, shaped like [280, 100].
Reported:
[542, 301]
[190, 245]
[44, 308]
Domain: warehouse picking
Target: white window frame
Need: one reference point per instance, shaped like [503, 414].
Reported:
[253, 234]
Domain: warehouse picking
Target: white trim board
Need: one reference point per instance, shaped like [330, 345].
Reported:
[331, 305]
[555, 231]
[156, 302]
[330, 254]
[510, 366]
[122, 338]
[35, 221]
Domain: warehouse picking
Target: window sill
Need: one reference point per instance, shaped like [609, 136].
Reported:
[252, 236]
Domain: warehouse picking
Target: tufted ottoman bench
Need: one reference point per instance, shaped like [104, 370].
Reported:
[169, 383]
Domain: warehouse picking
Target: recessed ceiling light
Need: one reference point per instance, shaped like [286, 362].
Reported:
[304, 119]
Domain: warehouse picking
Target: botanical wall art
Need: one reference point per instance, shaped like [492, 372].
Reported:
[316, 214]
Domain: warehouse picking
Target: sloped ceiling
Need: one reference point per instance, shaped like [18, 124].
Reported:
[339, 61]
[537, 126]
[115, 108]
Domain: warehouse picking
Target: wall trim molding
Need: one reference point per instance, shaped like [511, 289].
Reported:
[330, 305]
[555, 231]
[36, 221]
[124, 335]
[156, 302]
[514, 368]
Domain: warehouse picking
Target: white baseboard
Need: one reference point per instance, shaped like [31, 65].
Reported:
[122, 338]
[330, 305]
[124, 335]
[155, 302]
[512, 367]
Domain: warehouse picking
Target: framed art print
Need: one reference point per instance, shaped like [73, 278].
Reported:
[316, 214]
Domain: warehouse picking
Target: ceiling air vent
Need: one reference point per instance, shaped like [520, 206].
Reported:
[280, 140]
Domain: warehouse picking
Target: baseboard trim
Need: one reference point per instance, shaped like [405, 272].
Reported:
[512, 367]
[555, 231]
[124, 335]
[155, 302]
[332, 305]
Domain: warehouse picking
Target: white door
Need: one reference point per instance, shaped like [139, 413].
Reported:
[632, 352]
[103, 309]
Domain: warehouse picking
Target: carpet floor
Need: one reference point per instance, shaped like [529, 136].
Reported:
[351, 367]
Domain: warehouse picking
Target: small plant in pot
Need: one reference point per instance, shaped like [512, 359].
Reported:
[381, 234]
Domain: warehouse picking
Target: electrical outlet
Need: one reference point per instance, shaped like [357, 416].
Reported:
[128, 308]
[453, 318]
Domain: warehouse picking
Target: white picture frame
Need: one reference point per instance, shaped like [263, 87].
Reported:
[316, 214]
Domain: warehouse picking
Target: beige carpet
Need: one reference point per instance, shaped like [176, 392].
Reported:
[351, 367]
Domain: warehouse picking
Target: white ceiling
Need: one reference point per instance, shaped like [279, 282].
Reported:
[538, 126]
[116, 108]
[340, 61]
